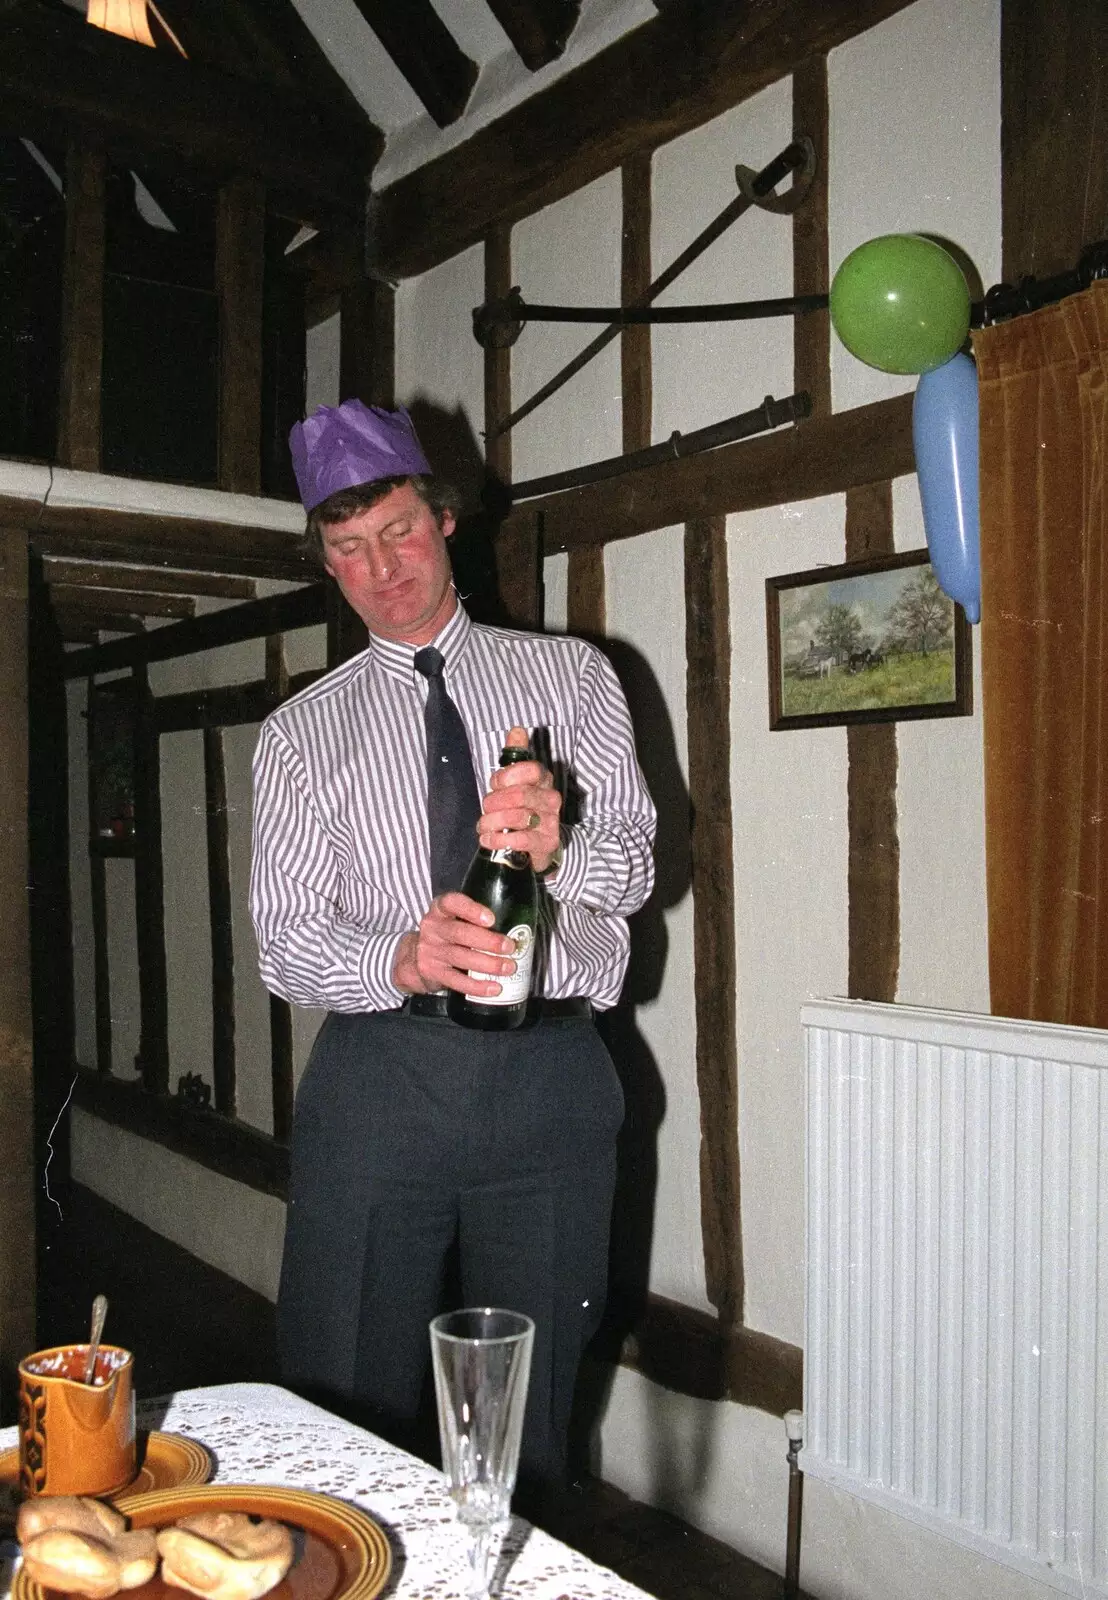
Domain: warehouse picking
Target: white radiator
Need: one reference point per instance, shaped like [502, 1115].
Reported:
[956, 1359]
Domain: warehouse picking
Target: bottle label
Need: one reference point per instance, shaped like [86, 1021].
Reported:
[515, 988]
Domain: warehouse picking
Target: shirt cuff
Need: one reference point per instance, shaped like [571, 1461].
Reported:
[568, 883]
[378, 960]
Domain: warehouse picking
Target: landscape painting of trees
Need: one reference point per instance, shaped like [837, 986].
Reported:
[870, 641]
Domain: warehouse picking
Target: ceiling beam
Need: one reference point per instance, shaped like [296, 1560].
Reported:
[147, 104]
[71, 622]
[679, 70]
[424, 50]
[184, 543]
[146, 580]
[271, 41]
[538, 29]
[76, 597]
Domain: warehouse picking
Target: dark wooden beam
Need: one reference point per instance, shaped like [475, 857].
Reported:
[99, 621]
[811, 262]
[425, 52]
[519, 572]
[367, 343]
[276, 37]
[73, 632]
[686, 1350]
[57, 73]
[586, 599]
[585, 583]
[708, 710]
[825, 455]
[276, 682]
[672, 74]
[19, 1159]
[86, 532]
[145, 580]
[229, 707]
[101, 965]
[280, 1037]
[213, 1141]
[149, 892]
[82, 307]
[873, 851]
[299, 608]
[80, 597]
[239, 273]
[222, 940]
[498, 362]
[538, 29]
[1054, 131]
[635, 276]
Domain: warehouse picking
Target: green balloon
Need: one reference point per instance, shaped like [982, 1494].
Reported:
[900, 303]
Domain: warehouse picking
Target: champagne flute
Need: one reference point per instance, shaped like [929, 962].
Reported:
[482, 1361]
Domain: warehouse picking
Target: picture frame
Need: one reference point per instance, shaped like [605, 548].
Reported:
[866, 641]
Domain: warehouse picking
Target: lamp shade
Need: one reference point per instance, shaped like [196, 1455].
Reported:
[126, 17]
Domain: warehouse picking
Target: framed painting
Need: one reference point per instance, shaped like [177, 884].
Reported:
[869, 641]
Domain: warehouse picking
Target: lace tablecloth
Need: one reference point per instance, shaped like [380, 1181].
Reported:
[259, 1433]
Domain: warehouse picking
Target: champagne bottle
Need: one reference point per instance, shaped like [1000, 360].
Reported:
[504, 881]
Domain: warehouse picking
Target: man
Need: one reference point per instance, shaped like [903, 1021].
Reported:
[414, 1136]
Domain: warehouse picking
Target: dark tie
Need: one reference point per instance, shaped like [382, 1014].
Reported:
[453, 804]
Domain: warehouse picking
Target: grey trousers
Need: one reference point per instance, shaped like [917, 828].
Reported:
[413, 1136]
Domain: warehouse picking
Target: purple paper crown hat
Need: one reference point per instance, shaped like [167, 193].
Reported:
[339, 447]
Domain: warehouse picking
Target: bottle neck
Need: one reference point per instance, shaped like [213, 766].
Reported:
[507, 858]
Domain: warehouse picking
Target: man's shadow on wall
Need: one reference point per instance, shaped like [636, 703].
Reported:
[452, 447]
[643, 1085]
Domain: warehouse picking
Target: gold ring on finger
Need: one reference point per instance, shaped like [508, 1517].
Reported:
[533, 820]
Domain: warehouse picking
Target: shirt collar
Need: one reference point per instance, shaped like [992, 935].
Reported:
[397, 658]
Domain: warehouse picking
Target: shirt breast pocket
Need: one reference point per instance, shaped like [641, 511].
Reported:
[552, 744]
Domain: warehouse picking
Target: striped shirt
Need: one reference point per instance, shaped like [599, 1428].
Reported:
[341, 864]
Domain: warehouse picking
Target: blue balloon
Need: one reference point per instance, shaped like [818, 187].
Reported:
[944, 432]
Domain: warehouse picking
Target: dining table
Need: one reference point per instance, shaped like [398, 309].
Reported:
[261, 1434]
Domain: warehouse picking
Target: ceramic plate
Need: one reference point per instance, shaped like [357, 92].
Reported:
[167, 1461]
[341, 1554]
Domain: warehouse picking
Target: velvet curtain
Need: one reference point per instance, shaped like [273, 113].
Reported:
[1044, 639]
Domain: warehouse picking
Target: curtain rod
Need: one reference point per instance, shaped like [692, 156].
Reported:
[1003, 301]
[1006, 300]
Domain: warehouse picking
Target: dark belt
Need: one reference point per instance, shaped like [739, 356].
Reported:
[434, 1005]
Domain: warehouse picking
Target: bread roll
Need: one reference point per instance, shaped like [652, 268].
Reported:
[223, 1555]
[77, 1563]
[75, 1514]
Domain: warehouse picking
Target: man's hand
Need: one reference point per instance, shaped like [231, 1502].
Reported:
[454, 936]
[522, 810]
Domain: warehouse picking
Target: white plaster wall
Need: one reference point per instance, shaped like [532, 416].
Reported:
[941, 811]
[723, 1468]
[555, 574]
[108, 1160]
[915, 148]
[788, 797]
[706, 371]
[222, 1222]
[915, 144]
[568, 254]
[119, 894]
[321, 387]
[80, 890]
[644, 579]
[188, 949]
[440, 367]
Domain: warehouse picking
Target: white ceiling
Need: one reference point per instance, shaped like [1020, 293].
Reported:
[412, 137]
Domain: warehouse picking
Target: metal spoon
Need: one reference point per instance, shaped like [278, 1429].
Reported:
[96, 1333]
